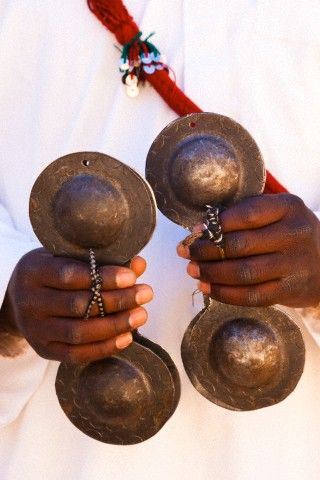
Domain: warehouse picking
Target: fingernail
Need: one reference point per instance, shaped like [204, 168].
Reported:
[125, 279]
[183, 251]
[137, 318]
[144, 295]
[204, 287]
[122, 341]
[193, 269]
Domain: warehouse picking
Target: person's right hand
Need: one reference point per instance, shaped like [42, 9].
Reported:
[47, 298]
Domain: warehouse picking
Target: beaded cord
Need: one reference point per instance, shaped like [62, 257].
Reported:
[212, 228]
[96, 285]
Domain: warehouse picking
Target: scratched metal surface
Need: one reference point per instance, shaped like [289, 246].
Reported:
[204, 357]
[121, 400]
[179, 183]
[139, 208]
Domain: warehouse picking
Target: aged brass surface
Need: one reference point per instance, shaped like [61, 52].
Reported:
[239, 358]
[124, 399]
[88, 201]
[243, 358]
[200, 159]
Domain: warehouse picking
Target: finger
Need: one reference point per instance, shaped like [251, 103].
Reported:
[89, 352]
[74, 304]
[244, 271]
[261, 295]
[245, 243]
[68, 274]
[255, 212]
[78, 332]
[138, 265]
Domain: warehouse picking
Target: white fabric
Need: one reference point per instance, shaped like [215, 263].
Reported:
[257, 62]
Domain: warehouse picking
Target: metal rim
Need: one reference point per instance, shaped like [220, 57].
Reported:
[214, 386]
[163, 386]
[136, 232]
[252, 172]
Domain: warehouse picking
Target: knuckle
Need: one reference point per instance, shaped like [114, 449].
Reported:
[250, 213]
[253, 297]
[303, 231]
[246, 273]
[236, 244]
[293, 203]
[66, 273]
[22, 272]
[77, 305]
[292, 284]
[117, 301]
[74, 335]
[113, 327]
[122, 302]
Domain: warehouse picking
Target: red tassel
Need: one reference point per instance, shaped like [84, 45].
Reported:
[114, 15]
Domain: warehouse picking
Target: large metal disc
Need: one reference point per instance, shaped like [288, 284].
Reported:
[199, 159]
[90, 200]
[121, 400]
[243, 358]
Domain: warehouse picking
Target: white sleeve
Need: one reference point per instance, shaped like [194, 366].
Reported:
[19, 379]
[311, 316]
[21, 375]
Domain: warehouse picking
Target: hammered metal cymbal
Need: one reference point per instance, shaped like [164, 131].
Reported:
[90, 200]
[243, 358]
[200, 159]
[121, 400]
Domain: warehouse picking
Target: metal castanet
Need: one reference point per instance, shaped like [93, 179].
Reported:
[241, 358]
[253, 359]
[90, 202]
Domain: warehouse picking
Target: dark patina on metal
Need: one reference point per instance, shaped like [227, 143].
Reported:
[124, 399]
[90, 200]
[199, 159]
[243, 358]
[240, 358]
[85, 202]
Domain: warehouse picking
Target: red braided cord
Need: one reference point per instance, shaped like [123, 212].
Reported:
[114, 15]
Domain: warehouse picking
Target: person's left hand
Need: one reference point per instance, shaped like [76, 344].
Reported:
[272, 247]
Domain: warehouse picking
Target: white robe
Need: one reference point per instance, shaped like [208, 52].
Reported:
[60, 92]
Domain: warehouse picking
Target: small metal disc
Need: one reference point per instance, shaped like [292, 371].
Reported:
[199, 159]
[132, 91]
[90, 200]
[121, 400]
[243, 358]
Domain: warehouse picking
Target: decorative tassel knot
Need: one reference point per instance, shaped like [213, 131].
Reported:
[139, 57]
[115, 17]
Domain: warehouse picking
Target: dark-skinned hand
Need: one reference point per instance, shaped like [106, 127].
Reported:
[47, 298]
[272, 246]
